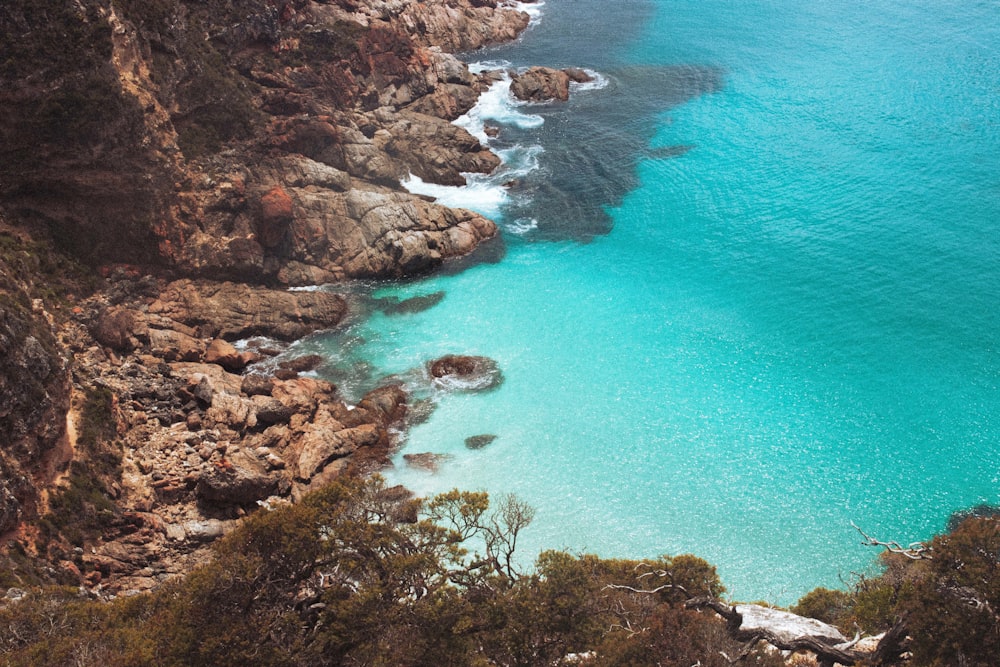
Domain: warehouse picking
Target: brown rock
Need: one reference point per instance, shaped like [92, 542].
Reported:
[540, 84]
[254, 384]
[465, 373]
[237, 412]
[320, 445]
[232, 311]
[386, 405]
[302, 394]
[174, 346]
[116, 327]
[455, 27]
[223, 353]
[303, 364]
[277, 211]
[271, 411]
[242, 482]
[578, 75]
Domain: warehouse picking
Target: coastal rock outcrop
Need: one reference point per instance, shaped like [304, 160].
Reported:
[465, 373]
[189, 153]
[217, 162]
[540, 84]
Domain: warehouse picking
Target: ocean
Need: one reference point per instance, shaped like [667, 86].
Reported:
[748, 292]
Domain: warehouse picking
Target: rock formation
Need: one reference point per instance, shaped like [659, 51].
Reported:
[465, 373]
[540, 84]
[201, 157]
[260, 142]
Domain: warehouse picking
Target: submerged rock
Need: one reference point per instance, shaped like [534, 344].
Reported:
[394, 306]
[465, 373]
[479, 441]
[428, 461]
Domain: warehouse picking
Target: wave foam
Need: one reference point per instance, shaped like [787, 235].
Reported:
[482, 194]
[532, 9]
[597, 82]
[499, 105]
[486, 194]
[521, 226]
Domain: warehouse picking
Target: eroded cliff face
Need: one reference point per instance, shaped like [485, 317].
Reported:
[34, 381]
[203, 155]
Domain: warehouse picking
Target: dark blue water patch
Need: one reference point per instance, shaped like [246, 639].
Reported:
[593, 145]
[490, 251]
[982, 511]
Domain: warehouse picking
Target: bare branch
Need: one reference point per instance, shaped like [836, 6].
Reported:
[915, 551]
[651, 591]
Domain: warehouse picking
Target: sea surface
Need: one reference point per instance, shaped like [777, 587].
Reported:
[748, 290]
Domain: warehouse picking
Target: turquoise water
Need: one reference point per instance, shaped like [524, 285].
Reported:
[749, 294]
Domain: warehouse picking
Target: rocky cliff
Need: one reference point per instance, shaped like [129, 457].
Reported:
[166, 168]
[262, 141]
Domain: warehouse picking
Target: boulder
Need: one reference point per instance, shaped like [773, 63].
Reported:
[276, 213]
[224, 354]
[171, 345]
[540, 84]
[117, 327]
[321, 445]
[270, 410]
[232, 410]
[302, 364]
[240, 481]
[465, 373]
[254, 384]
[385, 405]
[578, 75]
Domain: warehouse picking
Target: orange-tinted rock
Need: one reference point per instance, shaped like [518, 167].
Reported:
[223, 353]
[276, 214]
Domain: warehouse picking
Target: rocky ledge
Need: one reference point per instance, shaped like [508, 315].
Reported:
[199, 435]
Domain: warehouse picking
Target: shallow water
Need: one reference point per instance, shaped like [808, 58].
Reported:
[749, 292]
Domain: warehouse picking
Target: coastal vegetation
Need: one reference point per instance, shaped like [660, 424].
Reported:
[359, 573]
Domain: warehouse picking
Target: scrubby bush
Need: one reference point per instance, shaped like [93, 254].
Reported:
[358, 573]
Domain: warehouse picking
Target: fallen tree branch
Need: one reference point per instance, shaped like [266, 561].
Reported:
[915, 551]
[791, 632]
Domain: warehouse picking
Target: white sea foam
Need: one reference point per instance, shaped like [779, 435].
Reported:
[532, 9]
[597, 82]
[481, 66]
[521, 225]
[487, 193]
[482, 194]
[518, 161]
[305, 288]
[500, 106]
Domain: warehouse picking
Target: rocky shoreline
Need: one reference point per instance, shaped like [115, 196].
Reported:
[138, 432]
